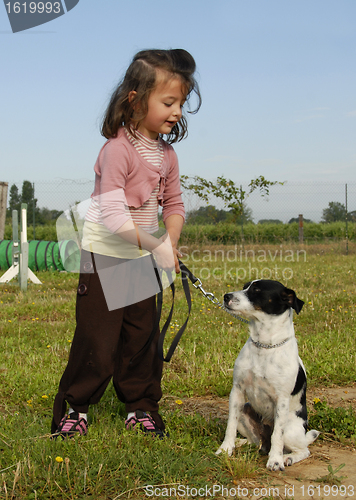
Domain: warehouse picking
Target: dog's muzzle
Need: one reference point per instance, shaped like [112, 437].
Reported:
[228, 298]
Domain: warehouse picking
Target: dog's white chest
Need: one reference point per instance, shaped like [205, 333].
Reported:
[263, 375]
[260, 392]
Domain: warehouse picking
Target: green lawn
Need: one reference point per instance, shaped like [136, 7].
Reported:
[111, 463]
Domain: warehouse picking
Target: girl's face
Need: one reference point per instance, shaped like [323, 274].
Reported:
[164, 107]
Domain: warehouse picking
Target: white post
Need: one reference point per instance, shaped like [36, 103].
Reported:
[14, 269]
[20, 260]
[24, 249]
[23, 223]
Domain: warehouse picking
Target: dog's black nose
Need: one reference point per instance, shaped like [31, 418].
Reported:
[227, 297]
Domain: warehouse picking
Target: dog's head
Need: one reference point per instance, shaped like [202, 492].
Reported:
[268, 296]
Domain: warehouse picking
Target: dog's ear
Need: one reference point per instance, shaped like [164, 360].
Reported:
[293, 301]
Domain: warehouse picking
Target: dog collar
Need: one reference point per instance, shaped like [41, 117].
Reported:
[268, 346]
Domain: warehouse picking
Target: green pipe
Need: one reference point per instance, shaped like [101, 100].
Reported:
[44, 255]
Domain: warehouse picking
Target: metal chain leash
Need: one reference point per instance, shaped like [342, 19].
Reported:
[210, 296]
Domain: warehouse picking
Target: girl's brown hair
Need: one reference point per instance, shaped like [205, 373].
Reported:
[141, 77]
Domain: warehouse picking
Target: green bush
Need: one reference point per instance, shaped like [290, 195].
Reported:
[46, 232]
[227, 233]
[230, 233]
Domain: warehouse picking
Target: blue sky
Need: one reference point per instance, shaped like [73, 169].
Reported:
[277, 78]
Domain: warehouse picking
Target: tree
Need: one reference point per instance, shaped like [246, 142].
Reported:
[244, 217]
[28, 197]
[270, 221]
[336, 211]
[15, 199]
[352, 216]
[233, 196]
[211, 215]
[206, 215]
[46, 216]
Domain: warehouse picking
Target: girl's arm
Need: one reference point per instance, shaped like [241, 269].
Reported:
[164, 249]
[174, 224]
[161, 248]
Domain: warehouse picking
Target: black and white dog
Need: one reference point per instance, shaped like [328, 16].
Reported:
[268, 399]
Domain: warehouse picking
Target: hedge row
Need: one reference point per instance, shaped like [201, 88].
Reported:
[46, 233]
[227, 233]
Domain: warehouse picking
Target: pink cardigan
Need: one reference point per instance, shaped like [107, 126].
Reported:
[124, 177]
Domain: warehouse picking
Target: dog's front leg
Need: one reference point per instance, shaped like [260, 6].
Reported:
[275, 456]
[236, 404]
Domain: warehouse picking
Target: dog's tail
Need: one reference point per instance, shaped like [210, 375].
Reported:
[311, 436]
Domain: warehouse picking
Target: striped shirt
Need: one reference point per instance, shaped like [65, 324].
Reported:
[145, 216]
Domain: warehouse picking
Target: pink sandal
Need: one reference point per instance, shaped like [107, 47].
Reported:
[144, 422]
[70, 425]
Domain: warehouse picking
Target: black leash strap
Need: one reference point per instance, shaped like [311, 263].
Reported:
[185, 274]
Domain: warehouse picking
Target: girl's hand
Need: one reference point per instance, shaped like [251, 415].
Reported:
[165, 254]
[177, 255]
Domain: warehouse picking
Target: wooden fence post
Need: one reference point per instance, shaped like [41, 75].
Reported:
[301, 231]
[346, 223]
[3, 203]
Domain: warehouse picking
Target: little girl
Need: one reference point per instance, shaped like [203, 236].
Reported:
[136, 170]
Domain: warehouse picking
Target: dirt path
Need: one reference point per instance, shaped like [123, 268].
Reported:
[302, 480]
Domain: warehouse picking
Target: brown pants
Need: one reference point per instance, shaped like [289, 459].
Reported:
[103, 347]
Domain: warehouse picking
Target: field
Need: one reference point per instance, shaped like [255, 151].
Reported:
[112, 463]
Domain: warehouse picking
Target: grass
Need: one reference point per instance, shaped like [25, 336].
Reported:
[111, 463]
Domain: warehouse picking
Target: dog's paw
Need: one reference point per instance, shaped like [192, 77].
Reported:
[288, 460]
[275, 463]
[225, 448]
